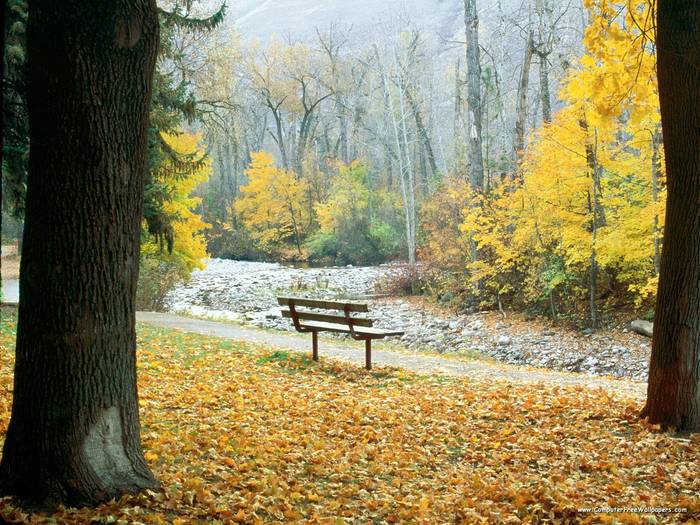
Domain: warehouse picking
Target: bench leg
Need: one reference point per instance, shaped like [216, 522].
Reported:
[368, 354]
[314, 345]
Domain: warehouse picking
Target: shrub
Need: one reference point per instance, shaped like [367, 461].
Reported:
[402, 280]
[357, 224]
[157, 278]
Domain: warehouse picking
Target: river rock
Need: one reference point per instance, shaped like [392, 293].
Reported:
[642, 327]
[503, 340]
[476, 325]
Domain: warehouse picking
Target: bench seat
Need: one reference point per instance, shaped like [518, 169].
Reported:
[346, 323]
[374, 333]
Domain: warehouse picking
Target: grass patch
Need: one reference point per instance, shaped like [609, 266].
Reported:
[287, 361]
[277, 355]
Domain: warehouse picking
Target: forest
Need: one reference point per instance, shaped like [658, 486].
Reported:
[541, 190]
[508, 192]
[521, 174]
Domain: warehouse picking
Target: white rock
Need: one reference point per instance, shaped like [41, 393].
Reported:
[476, 325]
[642, 327]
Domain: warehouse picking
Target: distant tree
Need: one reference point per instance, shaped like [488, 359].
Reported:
[273, 204]
[73, 435]
[172, 105]
[476, 161]
[161, 270]
[358, 224]
[673, 394]
[521, 105]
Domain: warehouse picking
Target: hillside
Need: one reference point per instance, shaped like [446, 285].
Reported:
[298, 18]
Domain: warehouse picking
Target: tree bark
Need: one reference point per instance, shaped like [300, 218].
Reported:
[595, 208]
[279, 138]
[544, 87]
[458, 122]
[423, 133]
[476, 161]
[521, 112]
[655, 177]
[673, 394]
[74, 434]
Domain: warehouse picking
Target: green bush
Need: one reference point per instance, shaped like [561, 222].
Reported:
[358, 225]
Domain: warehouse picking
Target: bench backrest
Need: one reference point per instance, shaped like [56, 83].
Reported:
[293, 304]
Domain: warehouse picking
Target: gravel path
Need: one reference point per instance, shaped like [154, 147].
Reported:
[426, 364]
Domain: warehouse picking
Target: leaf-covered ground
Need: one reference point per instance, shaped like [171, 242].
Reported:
[254, 435]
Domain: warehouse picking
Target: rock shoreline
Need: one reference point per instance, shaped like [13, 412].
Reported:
[246, 292]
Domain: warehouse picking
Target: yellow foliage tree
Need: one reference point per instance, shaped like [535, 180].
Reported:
[590, 203]
[162, 269]
[273, 206]
[357, 223]
[445, 249]
[189, 246]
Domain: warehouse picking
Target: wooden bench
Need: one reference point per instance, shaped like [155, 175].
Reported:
[306, 320]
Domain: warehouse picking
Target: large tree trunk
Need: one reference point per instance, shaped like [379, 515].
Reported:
[476, 161]
[673, 395]
[74, 432]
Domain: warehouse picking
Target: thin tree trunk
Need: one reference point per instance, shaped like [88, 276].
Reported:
[388, 157]
[673, 393]
[545, 97]
[423, 134]
[458, 123]
[74, 432]
[343, 128]
[280, 135]
[593, 277]
[235, 167]
[410, 183]
[221, 203]
[598, 220]
[521, 111]
[471, 28]
[655, 175]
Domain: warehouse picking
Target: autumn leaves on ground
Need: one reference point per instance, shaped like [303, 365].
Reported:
[238, 434]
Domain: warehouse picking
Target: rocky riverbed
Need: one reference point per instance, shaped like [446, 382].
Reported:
[246, 292]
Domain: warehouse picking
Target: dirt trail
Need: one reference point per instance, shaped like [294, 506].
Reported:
[426, 364]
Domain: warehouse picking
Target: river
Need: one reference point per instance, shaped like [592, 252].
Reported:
[237, 289]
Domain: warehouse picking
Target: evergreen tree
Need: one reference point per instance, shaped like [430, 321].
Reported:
[15, 134]
[172, 106]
